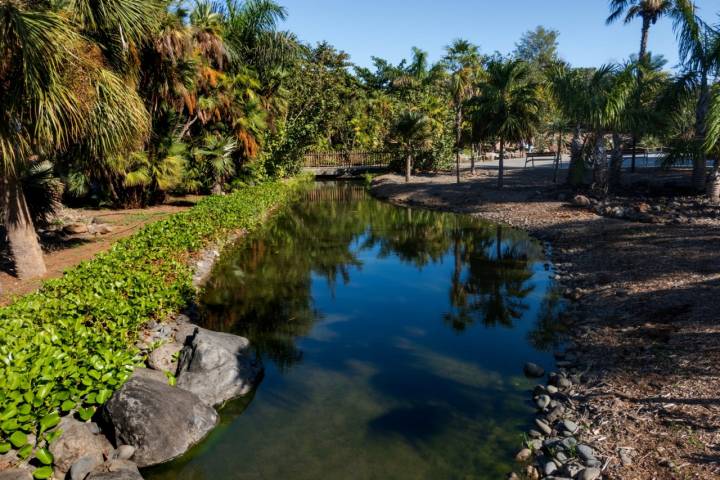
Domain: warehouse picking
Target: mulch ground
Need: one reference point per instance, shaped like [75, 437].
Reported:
[646, 315]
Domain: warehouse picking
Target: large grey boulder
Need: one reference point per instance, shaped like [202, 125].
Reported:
[218, 366]
[160, 421]
[77, 440]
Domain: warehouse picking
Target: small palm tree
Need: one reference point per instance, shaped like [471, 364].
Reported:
[507, 108]
[412, 133]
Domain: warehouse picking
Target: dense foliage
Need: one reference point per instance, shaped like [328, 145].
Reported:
[65, 349]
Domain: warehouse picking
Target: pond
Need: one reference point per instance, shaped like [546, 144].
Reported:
[393, 341]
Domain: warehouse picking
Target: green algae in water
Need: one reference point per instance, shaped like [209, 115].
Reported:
[393, 341]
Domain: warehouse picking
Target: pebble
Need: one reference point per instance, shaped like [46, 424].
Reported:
[589, 474]
[543, 426]
[523, 455]
[569, 443]
[550, 468]
[542, 402]
[125, 452]
[569, 425]
[625, 458]
[552, 389]
[535, 445]
[585, 452]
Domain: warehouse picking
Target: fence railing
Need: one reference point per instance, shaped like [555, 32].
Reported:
[347, 159]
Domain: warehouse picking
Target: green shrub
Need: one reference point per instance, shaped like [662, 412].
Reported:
[68, 347]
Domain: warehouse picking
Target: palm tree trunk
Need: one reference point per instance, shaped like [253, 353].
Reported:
[23, 240]
[575, 170]
[644, 38]
[501, 166]
[472, 159]
[600, 170]
[616, 161]
[458, 138]
[558, 156]
[408, 168]
[713, 184]
[699, 176]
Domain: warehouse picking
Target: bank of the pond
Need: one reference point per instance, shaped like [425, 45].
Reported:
[65, 349]
[643, 324]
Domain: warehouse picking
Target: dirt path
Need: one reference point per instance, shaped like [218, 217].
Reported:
[68, 251]
[646, 321]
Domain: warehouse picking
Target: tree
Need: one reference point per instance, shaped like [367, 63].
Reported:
[649, 11]
[463, 60]
[507, 108]
[538, 47]
[411, 133]
[700, 53]
[60, 91]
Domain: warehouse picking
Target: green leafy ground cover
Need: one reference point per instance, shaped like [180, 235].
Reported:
[65, 349]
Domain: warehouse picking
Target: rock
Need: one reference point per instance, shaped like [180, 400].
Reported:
[555, 414]
[116, 470]
[83, 466]
[532, 370]
[160, 421]
[581, 201]
[535, 434]
[585, 452]
[542, 401]
[15, 474]
[8, 460]
[625, 458]
[531, 473]
[589, 474]
[569, 443]
[124, 452]
[185, 332]
[535, 445]
[218, 367]
[569, 425]
[164, 358]
[149, 374]
[523, 455]
[75, 229]
[543, 426]
[549, 468]
[552, 389]
[513, 476]
[75, 442]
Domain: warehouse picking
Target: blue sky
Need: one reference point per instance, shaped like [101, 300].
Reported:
[389, 28]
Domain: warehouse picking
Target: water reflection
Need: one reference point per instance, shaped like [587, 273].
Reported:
[393, 341]
[268, 280]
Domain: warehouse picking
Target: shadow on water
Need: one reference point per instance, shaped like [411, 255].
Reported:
[393, 340]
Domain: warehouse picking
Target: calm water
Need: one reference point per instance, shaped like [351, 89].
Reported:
[393, 341]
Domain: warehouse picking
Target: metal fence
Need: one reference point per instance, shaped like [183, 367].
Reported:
[347, 159]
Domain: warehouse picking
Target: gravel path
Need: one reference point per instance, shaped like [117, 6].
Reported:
[645, 316]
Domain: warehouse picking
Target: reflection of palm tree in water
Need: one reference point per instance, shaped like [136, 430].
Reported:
[495, 285]
[263, 290]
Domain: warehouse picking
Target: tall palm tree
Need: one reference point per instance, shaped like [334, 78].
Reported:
[649, 11]
[712, 142]
[411, 133]
[507, 108]
[700, 54]
[462, 58]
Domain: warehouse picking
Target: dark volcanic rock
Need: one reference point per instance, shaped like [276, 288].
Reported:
[160, 421]
[218, 367]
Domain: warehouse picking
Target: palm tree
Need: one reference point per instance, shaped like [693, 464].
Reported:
[649, 11]
[462, 58]
[412, 133]
[712, 142]
[507, 107]
[700, 53]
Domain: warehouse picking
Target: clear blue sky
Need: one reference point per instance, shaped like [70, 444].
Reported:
[389, 28]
